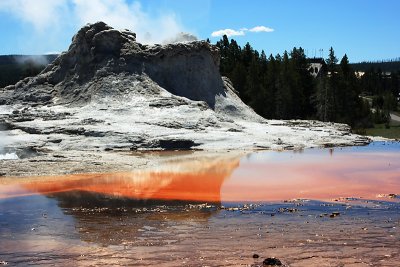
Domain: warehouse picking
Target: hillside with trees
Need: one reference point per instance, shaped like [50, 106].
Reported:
[282, 87]
[392, 65]
[14, 68]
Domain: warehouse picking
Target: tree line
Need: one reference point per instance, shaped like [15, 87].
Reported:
[388, 65]
[282, 87]
[14, 68]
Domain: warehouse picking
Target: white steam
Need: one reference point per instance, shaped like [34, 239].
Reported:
[52, 20]
[5, 140]
[122, 15]
[2, 139]
[37, 60]
[181, 37]
[8, 156]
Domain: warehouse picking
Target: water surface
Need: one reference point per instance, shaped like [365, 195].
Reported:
[317, 207]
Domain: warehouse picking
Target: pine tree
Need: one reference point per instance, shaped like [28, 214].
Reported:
[331, 86]
[324, 99]
[247, 54]
[254, 89]
[238, 78]
[283, 97]
[270, 82]
[331, 61]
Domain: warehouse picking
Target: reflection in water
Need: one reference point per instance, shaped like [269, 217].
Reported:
[265, 176]
[113, 209]
[109, 220]
[315, 174]
[161, 217]
[193, 180]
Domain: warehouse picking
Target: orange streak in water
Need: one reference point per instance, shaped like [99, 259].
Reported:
[283, 176]
[203, 184]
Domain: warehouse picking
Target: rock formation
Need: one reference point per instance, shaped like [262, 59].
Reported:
[102, 61]
[110, 93]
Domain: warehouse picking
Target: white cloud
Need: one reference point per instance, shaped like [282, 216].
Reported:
[241, 32]
[51, 18]
[261, 29]
[40, 13]
[122, 15]
[116, 13]
[37, 60]
[227, 32]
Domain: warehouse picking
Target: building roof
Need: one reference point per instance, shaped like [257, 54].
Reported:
[316, 60]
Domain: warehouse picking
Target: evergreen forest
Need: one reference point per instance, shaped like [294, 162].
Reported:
[283, 87]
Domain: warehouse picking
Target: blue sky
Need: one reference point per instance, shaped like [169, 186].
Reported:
[364, 29]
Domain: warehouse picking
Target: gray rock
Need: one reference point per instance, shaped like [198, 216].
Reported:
[99, 55]
[272, 262]
[164, 144]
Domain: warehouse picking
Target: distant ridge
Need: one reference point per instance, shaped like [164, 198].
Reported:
[15, 59]
[14, 68]
[385, 66]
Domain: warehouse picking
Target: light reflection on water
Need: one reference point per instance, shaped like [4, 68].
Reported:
[190, 180]
[364, 172]
[172, 216]
[264, 176]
